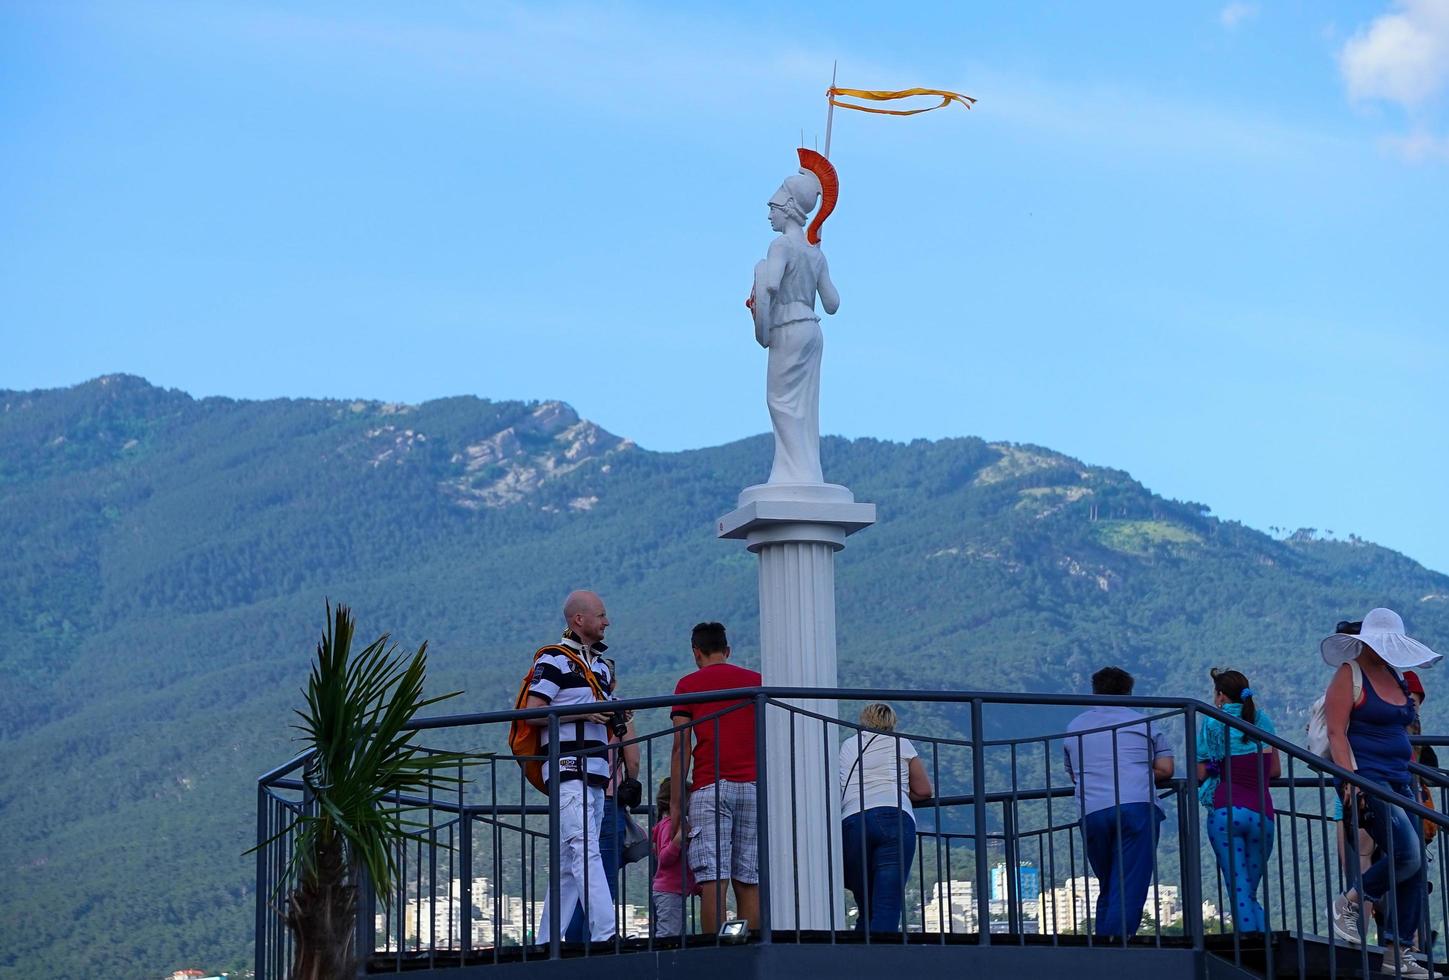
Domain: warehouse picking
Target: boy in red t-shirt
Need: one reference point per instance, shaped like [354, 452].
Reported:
[723, 831]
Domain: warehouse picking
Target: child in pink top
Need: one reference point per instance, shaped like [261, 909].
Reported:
[672, 880]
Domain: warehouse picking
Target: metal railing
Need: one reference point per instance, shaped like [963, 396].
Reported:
[1000, 854]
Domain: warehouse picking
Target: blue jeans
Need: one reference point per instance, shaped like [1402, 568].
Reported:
[877, 847]
[1395, 886]
[1122, 863]
[611, 838]
[1243, 847]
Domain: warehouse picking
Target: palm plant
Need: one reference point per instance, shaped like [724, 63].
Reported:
[362, 761]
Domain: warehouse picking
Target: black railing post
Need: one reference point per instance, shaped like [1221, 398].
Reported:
[978, 808]
[264, 885]
[1009, 847]
[555, 914]
[762, 813]
[465, 858]
[1192, 843]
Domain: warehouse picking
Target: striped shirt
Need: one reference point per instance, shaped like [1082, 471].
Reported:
[558, 680]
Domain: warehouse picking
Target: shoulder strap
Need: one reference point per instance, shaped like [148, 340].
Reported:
[593, 682]
[845, 786]
[588, 671]
[528, 677]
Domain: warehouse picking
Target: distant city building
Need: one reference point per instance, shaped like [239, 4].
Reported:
[1062, 909]
[1168, 901]
[952, 907]
[440, 921]
[1066, 908]
[635, 922]
[1209, 912]
[1028, 883]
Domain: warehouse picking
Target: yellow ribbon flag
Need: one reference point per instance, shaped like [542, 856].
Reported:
[874, 96]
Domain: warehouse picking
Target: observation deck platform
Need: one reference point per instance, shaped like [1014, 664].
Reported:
[470, 890]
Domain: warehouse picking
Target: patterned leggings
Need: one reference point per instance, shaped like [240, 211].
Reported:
[1249, 841]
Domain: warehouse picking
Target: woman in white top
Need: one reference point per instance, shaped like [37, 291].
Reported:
[880, 774]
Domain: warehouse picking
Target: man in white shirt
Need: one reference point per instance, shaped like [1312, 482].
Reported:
[1116, 760]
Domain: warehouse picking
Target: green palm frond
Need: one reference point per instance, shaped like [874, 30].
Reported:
[357, 709]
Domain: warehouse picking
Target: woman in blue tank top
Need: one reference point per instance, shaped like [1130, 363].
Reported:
[1370, 736]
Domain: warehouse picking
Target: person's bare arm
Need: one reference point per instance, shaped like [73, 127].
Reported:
[1162, 769]
[919, 786]
[679, 757]
[1272, 766]
[534, 701]
[1337, 705]
[630, 753]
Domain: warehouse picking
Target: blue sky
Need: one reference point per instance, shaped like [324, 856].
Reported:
[1202, 242]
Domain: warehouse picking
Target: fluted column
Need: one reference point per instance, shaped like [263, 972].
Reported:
[796, 530]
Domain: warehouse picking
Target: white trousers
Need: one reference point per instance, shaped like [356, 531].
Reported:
[580, 808]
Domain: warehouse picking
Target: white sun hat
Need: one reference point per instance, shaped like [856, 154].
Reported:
[1383, 631]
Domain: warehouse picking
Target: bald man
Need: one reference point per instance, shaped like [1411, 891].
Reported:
[559, 679]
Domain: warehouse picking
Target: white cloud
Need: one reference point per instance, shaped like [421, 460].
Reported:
[1419, 147]
[1236, 13]
[1401, 57]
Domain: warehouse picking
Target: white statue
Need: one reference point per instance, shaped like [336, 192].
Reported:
[787, 281]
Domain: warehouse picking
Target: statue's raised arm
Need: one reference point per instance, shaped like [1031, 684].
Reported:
[782, 303]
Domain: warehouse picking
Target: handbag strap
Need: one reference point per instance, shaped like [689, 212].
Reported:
[845, 786]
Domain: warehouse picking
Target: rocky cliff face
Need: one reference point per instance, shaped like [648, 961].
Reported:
[509, 465]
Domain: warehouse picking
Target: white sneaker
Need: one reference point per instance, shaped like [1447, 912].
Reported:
[1408, 967]
[1345, 921]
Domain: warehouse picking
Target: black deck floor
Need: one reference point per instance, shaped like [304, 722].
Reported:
[842, 955]
[838, 956]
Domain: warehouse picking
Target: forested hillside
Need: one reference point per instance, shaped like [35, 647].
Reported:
[164, 562]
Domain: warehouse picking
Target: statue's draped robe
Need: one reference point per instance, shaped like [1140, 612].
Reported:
[792, 387]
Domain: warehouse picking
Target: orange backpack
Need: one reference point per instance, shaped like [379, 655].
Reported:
[527, 740]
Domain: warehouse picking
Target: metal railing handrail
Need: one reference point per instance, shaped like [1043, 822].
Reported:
[810, 693]
[1189, 705]
[267, 778]
[776, 694]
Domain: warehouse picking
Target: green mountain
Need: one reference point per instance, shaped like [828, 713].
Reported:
[165, 561]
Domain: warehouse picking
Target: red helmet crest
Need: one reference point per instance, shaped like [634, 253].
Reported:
[829, 189]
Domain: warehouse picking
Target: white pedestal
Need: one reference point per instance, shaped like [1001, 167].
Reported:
[796, 530]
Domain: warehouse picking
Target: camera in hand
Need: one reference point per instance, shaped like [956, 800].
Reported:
[629, 794]
[618, 723]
